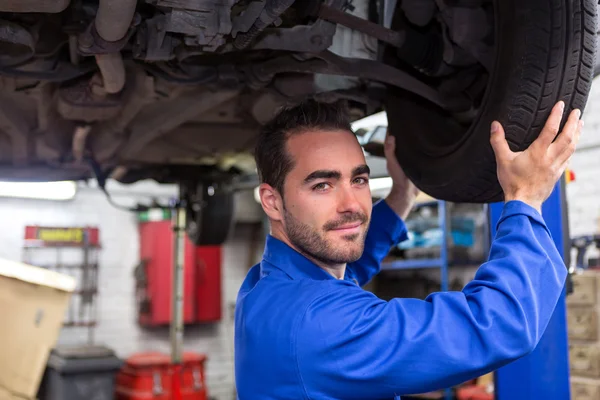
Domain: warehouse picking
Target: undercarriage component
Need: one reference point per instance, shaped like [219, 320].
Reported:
[204, 23]
[105, 37]
[112, 70]
[153, 43]
[60, 72]
[424, 51]
[91, 43]
[163, 118]
[15, 123]
[394, 38]
[419, 12]
[79, 142]
[302, 38]
[350, 43]
[270, 14]
[16, 44]
[470, 30]
[114, 18]
[81, 102]
[108, 136]
[329, 63]
[244, 21]
[37, 6]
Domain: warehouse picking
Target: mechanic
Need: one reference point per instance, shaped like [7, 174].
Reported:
[304, 327]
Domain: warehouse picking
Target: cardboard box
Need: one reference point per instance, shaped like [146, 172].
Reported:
[584, 360]
[33, 302]
[584, 289]
[584, 389]
[6, 395]
[582, 323]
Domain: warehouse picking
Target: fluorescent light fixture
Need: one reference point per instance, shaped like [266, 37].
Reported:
[380, 184]
[62, 190]
[370, 122]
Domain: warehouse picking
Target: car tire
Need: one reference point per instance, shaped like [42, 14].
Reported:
[209, 212]
[544, 52]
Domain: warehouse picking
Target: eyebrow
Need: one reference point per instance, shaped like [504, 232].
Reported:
[360, 170]
[323, 174]
[332, 174]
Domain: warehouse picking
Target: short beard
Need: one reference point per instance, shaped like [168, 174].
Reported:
[311, 243]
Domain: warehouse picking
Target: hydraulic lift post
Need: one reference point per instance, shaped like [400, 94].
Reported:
[176, 334]
[543, 374]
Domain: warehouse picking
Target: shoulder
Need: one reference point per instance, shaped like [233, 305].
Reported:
[339, 306]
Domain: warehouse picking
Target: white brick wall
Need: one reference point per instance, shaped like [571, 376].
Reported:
[583, 195]
[117, 321]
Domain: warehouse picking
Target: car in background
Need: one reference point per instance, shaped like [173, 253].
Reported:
[176, 90]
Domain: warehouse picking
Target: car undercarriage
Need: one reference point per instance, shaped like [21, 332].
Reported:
[176, 90]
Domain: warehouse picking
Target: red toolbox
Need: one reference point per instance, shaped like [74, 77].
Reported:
[193, 383]
[145, 376]
[473, 392]
[152, 376]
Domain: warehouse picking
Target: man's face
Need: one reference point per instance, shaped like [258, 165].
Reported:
[327, 200]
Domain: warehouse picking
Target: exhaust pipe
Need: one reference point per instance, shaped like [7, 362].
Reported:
[112, 70]
[112, 23]
[114, 18]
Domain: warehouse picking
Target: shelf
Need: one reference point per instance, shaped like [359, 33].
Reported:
[60, 267]
[412, 264]
[37, 244]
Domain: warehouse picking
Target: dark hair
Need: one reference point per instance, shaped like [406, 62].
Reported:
[272, 160]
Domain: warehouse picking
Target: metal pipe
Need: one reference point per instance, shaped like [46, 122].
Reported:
[112, 23]
[177, 293]
[112, 70]
[367, 27]
[79, 141]
[114, 18]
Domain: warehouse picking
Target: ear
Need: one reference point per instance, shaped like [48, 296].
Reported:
[271, 202]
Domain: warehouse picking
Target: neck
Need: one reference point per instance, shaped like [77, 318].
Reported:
[336, 270]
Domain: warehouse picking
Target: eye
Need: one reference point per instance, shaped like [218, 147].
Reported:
[319, 187]
[361, 181]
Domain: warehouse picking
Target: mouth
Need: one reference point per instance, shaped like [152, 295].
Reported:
[349, 228]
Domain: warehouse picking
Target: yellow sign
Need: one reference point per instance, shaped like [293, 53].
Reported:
[71, 235]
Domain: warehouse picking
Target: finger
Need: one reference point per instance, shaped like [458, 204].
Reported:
[561, 170]
[551, 128]
[389, 147]
[567, 136]
[499, 143]
[568, 151]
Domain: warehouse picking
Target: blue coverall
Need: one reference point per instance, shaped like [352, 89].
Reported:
[300, 333]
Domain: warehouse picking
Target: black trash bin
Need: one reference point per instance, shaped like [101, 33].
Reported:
[80, 373]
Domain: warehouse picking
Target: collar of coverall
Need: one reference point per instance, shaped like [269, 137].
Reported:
[279, 255]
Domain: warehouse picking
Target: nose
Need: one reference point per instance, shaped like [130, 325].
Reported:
[347, 200]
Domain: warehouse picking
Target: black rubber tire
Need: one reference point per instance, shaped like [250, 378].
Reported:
[545, 52]
[209, 212]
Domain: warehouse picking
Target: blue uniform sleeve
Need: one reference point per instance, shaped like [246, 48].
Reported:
[352, 345]
[386, 230]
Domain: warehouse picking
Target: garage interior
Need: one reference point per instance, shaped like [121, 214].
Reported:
[109, 290]
[122, 310]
